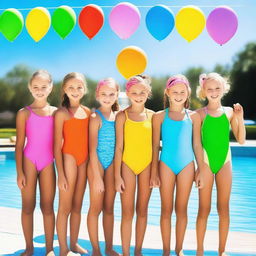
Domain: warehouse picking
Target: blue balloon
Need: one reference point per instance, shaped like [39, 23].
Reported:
[160, 21]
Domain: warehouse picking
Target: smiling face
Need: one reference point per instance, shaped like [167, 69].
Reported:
[74, 89]
[213, 90]
[138, 94]
[178, 94]
[40, 87]
[107, 95]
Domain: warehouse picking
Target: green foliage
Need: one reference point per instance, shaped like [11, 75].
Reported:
[243, 80]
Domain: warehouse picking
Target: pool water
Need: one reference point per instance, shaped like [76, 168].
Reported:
[242, 204]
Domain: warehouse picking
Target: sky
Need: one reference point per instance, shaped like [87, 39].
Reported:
[96, 58]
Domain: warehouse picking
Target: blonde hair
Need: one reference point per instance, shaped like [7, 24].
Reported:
[186, 82]
[203, 78]
[65, 100]
[109, 81]
[140, 79]
[41, 73]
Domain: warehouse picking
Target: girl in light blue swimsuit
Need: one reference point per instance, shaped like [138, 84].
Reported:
[100, 171]
[181, 139]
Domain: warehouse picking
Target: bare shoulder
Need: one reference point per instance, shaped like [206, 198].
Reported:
[53, 110]
[120, 116]
[94, 117]
[61, 113]
[201, 112]
[158, 116]
[23, 113]
[194, 115]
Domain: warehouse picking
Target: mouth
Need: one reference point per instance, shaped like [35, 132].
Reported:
[178, 100]
[75, 96]
[138, 101]
[214, 97]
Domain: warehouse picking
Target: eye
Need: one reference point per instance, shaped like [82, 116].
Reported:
[112, 94]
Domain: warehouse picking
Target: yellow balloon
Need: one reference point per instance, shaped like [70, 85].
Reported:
[190, 22]
[38, 23]
[131, 61]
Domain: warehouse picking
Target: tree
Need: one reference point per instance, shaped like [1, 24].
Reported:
[243, 81]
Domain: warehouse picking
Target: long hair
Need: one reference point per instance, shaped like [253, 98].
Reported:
[65, 102]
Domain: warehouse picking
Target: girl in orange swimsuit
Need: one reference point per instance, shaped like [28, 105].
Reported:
[71, 154]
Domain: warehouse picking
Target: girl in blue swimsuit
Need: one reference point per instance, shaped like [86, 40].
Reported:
[101, 172]
[181, 139]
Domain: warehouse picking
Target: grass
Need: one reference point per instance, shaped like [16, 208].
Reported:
[250, 132]
[6, 133]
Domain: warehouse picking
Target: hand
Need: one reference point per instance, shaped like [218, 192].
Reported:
[98, 185]
[238, 111]
[62, 183]
[199, 179]
[119, 184]
[154, 182]
[21, 181]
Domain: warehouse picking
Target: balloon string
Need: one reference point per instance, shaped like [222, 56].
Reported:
[111, 6]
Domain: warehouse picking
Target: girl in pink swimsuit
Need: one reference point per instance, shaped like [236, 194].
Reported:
[34, 162]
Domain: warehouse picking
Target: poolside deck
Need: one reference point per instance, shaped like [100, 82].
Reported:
[12, 242]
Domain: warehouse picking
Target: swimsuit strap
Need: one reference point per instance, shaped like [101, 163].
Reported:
[187, 114]
[101, 115]
[29, 109]
[126, 114]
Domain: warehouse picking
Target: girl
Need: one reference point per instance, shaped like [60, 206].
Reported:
[180, 130]
[101, 171]
[216, 121]
[35, 160]
[132, 162]
[71, 154]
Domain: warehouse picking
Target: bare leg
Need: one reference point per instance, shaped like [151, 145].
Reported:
[28, 194]
[205, 197]
[167, 178]
[143, 195]
[223, 183]
[127, 200]
[108, 210]
[75, 217]
[183, 188]
[65, 202]
[96, 204]
[47, 184]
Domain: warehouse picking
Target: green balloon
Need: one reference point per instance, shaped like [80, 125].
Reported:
[11, 23]
[63, 20]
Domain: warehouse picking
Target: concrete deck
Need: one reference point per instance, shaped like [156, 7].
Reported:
[12, 241]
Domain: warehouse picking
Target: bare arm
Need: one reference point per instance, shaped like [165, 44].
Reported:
[20, 141]
[94, 127]
[120, 120]
[197, 147]
[157, 120]
[58, 138]
[237, 123]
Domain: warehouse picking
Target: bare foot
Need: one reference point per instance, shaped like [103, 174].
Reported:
[180, 253]
[224, 254]
[166, 253]
[78, 249]
[28, 252]
[112, 253]
[72, 254]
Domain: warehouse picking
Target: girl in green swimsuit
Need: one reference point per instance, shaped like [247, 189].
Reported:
[216, 122]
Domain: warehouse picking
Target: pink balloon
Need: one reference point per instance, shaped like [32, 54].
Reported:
[124, 19]
[222, 24]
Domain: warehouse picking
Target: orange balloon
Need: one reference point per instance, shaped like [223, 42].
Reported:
[91, 20]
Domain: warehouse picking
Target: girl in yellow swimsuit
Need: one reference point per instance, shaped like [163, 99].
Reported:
[133, 156]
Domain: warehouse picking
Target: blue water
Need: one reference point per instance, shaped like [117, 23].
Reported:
[242, 204]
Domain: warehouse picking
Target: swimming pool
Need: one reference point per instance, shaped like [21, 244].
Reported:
[242, 205]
